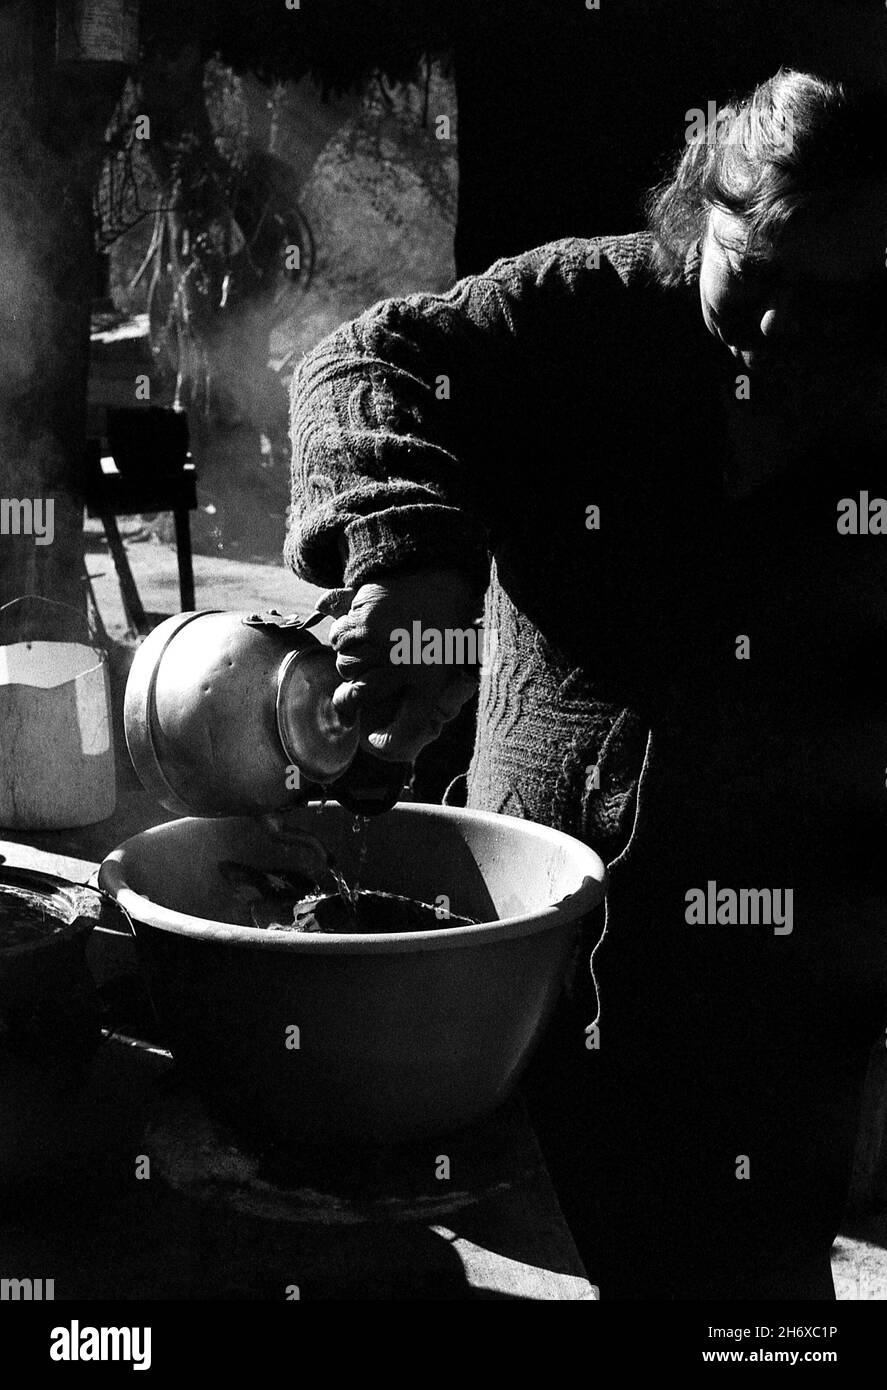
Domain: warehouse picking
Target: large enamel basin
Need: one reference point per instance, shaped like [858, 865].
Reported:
[398, 1036]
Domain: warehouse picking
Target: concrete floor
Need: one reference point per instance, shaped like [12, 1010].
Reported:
[219, 583]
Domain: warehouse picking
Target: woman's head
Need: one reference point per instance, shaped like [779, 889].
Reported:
[785, 194]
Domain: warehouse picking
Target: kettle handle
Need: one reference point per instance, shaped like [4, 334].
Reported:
[333, 603]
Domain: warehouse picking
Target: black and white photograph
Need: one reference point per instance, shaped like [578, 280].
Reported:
[443, 671]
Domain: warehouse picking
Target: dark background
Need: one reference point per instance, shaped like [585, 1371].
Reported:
[568, 115]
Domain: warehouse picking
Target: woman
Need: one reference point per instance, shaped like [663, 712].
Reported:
[640, 447]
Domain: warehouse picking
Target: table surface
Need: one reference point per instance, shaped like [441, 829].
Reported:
[208, 1222]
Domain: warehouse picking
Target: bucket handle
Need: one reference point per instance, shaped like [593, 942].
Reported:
[55, 603]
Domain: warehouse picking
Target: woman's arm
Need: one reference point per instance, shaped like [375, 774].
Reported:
[402, 419]
[410, 427]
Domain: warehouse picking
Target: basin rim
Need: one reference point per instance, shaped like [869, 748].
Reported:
[566, 911]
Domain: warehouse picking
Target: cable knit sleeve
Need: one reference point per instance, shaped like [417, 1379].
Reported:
[401, 419]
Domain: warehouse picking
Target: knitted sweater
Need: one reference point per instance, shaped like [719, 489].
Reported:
[476, 429]
[454, 429]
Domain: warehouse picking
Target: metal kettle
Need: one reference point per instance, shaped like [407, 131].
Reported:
[232, 714]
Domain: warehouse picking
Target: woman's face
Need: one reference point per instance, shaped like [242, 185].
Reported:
[814, 301]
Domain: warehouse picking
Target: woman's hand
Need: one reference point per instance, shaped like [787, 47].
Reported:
[402, 707]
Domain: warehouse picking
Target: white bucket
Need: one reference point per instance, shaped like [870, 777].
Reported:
[56, 745]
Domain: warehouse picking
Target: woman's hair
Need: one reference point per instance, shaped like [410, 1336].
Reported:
[766, 158]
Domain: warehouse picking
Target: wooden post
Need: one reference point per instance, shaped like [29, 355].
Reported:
[51, 128]
[132, 603]
[186, 564]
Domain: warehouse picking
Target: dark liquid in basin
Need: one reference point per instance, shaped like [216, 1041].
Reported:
[382, 912]
[290, 901]
[370, 913]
